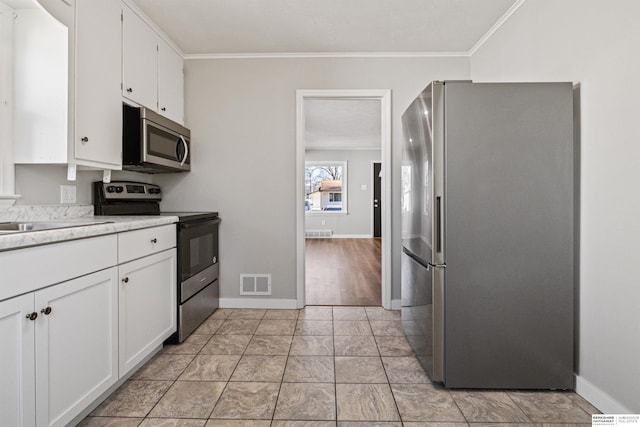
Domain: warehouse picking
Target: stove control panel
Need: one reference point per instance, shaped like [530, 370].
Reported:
[127, 190]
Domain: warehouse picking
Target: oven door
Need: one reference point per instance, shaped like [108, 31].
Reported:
[165, 147]
[197, 256]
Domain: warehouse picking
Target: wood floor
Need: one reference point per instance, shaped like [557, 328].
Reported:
[343, 272]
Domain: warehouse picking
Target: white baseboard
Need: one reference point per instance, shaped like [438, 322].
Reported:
[352, 236]
[258, 303]
[599, 398]
[396, 304]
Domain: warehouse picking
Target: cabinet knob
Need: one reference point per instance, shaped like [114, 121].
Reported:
[129, 89]
[46, 311]
[125, 280]
[32, 316]
[84, 139]
[215, 259]
[154, 240]
[163, 109]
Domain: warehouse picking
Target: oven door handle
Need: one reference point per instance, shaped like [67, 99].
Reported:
[200, 223]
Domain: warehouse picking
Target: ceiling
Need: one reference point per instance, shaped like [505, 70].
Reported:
[342, 124]
[222, 28]
[236, 27]
[20, 4]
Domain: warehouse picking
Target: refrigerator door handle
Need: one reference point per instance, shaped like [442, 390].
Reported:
[411, 255]
[438, 224]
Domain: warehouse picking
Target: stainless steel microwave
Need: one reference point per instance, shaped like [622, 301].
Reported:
[152, 143]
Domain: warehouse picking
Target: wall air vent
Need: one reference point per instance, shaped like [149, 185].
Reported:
[255, 284]
[318, 234]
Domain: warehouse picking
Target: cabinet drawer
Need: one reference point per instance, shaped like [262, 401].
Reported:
[28, 269]
[140, 243]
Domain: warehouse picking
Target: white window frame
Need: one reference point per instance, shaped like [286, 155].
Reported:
[345, 185]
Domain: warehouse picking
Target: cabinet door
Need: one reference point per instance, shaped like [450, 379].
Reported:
[98, 109]
[139, 60]
[170, 83]
[147, 308]
[76, 345]
[17, 368]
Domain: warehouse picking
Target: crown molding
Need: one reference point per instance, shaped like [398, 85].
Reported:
[297, 55]
[504, 18]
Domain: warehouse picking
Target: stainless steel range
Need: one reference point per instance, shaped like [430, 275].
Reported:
[197, 238]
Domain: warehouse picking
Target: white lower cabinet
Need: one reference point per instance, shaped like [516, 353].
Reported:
[147, 306]
[78, 323]
[76, 345]
[17, 366]
[62, 350]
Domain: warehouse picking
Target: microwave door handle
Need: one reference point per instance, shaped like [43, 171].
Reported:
[186, 150]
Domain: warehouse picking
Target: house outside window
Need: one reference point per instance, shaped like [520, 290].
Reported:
[326, 187]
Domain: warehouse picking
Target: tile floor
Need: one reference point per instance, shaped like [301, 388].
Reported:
[320, 366]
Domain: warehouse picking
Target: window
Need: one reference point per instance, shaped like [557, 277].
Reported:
[325, 187]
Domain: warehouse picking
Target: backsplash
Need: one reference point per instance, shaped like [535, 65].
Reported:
[44, 212]
[40, 184]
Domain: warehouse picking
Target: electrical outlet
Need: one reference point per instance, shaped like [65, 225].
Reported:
[324, 222]
[67, 194]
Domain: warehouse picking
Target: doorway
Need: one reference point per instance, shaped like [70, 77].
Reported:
[355, 249]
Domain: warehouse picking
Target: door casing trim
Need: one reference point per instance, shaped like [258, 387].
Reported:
[384, 96]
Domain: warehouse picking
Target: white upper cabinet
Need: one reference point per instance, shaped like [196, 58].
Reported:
[139, 60]
[170, 83]
[40, 86]
[68, 86]
[98, 106]
[151, 70]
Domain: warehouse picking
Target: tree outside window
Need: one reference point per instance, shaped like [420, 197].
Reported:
[325, 186]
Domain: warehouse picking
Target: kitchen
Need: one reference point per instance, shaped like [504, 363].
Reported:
[590, 43]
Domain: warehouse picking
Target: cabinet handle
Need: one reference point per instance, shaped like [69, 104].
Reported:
[129, 89]
[32, 316]
[84, 139]
[154, 240]
[215, 259]
[125, 280]
[46, 311]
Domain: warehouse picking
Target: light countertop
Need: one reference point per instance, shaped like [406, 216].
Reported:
[114, 224]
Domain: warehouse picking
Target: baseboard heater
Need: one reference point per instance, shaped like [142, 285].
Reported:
[318, 234]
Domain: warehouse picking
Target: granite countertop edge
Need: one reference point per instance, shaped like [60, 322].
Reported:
[114, 224]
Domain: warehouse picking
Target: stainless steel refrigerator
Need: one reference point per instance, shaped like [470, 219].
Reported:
[488, 234]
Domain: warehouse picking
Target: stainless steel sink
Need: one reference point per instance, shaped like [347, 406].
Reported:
[26, 226]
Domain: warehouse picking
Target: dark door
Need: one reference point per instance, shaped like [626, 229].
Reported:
[377, 209]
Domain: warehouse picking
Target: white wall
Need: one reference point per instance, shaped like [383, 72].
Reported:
[242, 114]
[358, 221]
[595, 43]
